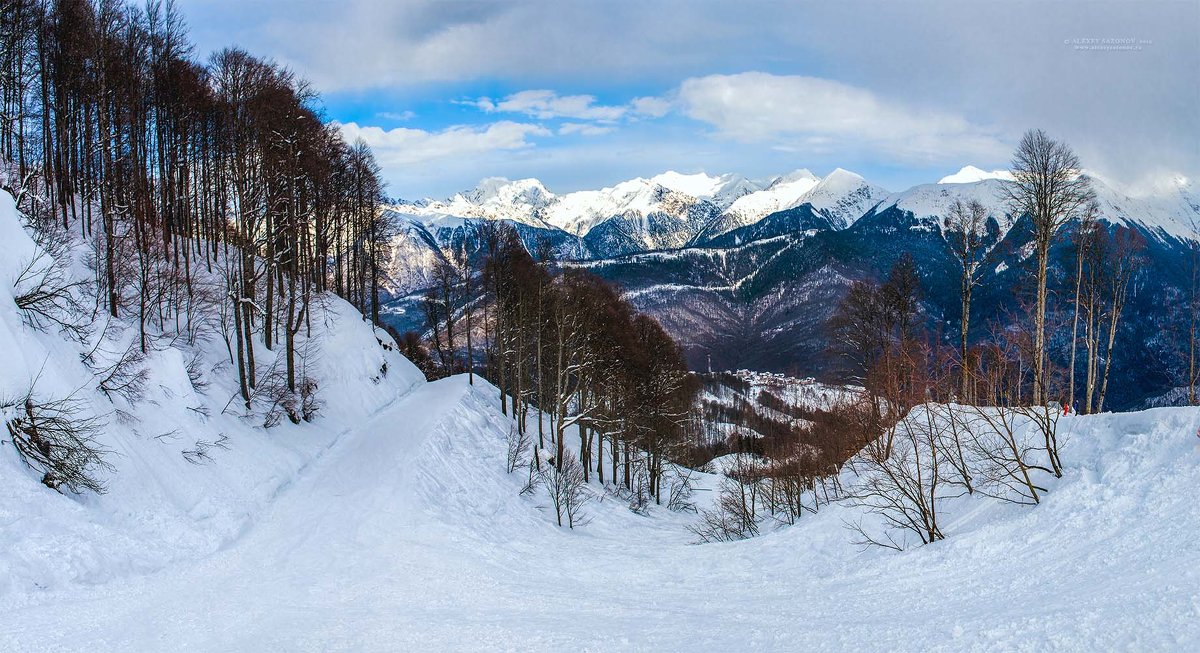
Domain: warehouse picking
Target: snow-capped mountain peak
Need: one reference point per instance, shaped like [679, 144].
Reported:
[721, 190]
[781, 194]
[499, 190]
[696, 185]
[843, 196]
[970, 174]
[800, 174]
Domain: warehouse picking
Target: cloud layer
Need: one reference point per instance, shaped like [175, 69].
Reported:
[402, 146]
[811, 114]
[895, 90]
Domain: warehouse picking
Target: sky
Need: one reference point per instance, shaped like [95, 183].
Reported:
[583, 94]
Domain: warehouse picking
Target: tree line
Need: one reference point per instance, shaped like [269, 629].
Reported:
[170, 169]
[570, 358]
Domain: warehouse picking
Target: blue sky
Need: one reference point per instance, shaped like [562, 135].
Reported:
[585, 94]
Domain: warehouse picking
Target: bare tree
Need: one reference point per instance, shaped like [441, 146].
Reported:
[1048, 186]
[966, 224]
[1126, 261]
[1083, 230]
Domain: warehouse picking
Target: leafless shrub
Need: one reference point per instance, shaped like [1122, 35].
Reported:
[1044, 417]
[682, 489]
[127, 376]
[903, 484]
[195, 372]
[310, 404]
[1003, 449]
[124, 417]
[45, 293]
[273, 393]
[637, 495]
[534, 479]
[1004, 446]
[567, 490]
[167, 436]
[57, 438]
[199, 453]
[736, 513]
[956, 443]
[518, 448]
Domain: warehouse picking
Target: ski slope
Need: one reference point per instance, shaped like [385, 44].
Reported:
[406, 534]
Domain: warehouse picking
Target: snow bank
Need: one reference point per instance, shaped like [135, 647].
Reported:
[159, 506]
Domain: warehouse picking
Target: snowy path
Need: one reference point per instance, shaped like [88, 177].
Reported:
[407, 535]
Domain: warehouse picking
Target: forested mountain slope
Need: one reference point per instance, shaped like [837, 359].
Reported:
[760, 293]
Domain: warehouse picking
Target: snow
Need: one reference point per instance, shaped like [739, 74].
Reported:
[970, 174]
[843, 196]
[390, 524]
[407, 534]
[1171, 209]
[785, 193]
[934, 200]
[1167, 207]
[161, 509]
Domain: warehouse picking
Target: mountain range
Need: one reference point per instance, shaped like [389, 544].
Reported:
[746, 273]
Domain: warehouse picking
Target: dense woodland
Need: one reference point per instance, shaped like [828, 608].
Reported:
[176, 171]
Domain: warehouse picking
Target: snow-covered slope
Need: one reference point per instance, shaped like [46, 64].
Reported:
[190, 471]
[408, 535]
[784, 193]
[931, 202]
[1170, 209]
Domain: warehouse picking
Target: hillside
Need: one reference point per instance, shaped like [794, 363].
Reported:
[758, 291]
[407, 533]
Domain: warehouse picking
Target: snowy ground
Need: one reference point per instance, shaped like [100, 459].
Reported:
[408, 535]
[389, 524]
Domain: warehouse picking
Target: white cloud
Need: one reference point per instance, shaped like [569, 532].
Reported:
[403, 146]
[583, 129]
[651, 107]
[549, 105]
[402, 116]
[1000, 64]
[809, 112]
[546, 105]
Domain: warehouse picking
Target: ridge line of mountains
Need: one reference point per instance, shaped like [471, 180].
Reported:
[747, 273]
